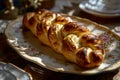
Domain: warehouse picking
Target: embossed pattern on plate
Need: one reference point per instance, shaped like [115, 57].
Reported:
[30, 48]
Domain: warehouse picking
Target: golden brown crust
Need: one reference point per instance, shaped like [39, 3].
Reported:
[64, 35]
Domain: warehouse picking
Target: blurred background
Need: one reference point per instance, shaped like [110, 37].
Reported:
[12, 8]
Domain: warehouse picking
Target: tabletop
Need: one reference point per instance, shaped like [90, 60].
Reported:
[70, 7]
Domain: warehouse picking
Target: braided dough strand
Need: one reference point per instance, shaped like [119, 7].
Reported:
[66, 36]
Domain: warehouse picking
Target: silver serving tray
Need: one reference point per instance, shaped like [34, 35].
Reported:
[30, 48]
[9, 71]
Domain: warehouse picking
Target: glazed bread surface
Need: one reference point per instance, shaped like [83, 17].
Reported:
[66, 36]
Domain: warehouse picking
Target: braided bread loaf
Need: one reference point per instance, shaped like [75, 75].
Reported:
[65, 36]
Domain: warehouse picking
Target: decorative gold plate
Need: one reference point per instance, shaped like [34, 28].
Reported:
[30, 48]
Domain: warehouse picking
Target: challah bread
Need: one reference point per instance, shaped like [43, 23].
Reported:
[66, 36]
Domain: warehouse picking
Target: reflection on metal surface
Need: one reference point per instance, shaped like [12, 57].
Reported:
[10, 11]
[101, 8]
[9, 71]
